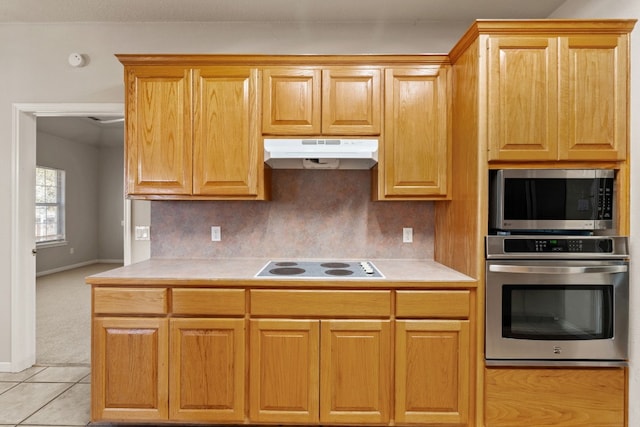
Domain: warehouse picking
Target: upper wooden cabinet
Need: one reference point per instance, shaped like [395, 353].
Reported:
[415, 163]
[314, 101]
[557, 97]
[158, 130]
[193, 132]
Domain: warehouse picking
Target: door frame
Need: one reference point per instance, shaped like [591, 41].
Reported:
[23, 291]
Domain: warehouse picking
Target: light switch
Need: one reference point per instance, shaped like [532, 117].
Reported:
[142, 232]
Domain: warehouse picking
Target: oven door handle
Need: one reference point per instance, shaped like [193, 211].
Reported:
[497, 268]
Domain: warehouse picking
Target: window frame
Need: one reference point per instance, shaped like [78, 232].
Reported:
[59, 238]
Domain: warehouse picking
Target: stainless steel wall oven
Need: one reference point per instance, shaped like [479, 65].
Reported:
[556, 300]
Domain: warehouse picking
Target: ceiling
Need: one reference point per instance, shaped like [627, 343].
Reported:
[108, 133]
[271, 10]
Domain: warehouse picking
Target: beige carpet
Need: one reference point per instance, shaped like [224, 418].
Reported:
[63, 316]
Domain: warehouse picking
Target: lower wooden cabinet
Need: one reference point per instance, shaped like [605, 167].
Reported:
[288, 356]
[559, 397]
[129, 369]
[432, 372]
[331, 357]
[206, 373]
[284, 371]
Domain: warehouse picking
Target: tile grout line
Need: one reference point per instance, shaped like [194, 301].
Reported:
[50, 401]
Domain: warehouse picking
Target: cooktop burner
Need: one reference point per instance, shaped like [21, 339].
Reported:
[320, 269]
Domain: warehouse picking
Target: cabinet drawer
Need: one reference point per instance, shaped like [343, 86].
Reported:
[129, 301]
[433, 304]
[321, 303]
[208, 301]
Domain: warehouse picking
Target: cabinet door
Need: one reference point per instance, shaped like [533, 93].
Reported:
[351, 101]
[356, 367]
[284, 370]
[523, 98]
[226, 157]
[432, 371]
[417, 157]
[207, 370]
[158, 136]
[593, 97]
[129, 369]
[291, 101]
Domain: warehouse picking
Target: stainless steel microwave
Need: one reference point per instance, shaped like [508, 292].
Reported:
[551, 199]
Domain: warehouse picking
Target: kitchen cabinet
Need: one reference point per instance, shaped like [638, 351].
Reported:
[311, 370]
[206, 370]
[557, 97]
[192, 132]
[129, 355]
[432, 370]
[207, 355]
[338, 101]
[564, 397]
[416, 156]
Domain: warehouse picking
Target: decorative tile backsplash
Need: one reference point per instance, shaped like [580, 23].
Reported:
[312, 214]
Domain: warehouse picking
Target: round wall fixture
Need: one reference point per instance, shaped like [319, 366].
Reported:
[76, 60]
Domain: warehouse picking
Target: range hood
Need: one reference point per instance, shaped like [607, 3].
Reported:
[319, 153]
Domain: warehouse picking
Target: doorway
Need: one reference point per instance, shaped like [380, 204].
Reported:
[23, 308]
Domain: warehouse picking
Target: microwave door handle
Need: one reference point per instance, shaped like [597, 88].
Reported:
[497, 268]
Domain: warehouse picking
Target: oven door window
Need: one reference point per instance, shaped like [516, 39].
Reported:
[541, 312]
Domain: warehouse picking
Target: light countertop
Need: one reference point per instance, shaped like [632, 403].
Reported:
[242, 272]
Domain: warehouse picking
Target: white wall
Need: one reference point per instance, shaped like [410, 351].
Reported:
[79, 162]
[94, 206]
[625, 9]
[35, 70]
[110, 204]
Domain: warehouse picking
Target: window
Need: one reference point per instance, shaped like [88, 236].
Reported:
[49, 205]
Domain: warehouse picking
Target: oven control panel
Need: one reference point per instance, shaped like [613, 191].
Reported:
[577, 245]
[556, 247]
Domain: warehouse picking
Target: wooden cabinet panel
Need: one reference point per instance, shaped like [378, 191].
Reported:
[129, 301]
[226, 158]
[320, 303]
[207, 370]
[129, 369]
[351, 101]
[523, 98]
[559, 397]
[355, 363]
[432, 371]
[291, 101]
[158, 139]
[311, 101]
[213, 302]
[284, 383]
[417, 156]
[433, 304]
[593, 103]
[558, 98]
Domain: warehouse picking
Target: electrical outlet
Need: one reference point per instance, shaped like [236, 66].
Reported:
[407, 235]
[215, 233]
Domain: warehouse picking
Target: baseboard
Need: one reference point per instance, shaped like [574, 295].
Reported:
[78, 265]
[18, 366]
[110, 261]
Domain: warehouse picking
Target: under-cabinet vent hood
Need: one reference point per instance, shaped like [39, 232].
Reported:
[290, 153]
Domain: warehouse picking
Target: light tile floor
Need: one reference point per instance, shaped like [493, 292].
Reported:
[44, 396]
